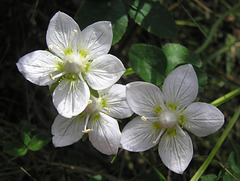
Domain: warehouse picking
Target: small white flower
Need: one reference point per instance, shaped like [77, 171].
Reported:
[164, 114]
[96, 120]
[75, 60]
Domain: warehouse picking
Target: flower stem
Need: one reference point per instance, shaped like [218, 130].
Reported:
[200, 171]
[226, 97]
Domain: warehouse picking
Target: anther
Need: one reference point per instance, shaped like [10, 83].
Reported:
[50, 47]
[75, 31]
[108, 112]
[158, 138]
[51, 77]
[87, 131]
[143, 118]
[89, 102]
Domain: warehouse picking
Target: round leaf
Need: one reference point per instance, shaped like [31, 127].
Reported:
[25, 133]
[38, 141]
[177, 54]
[15, 148]
[91, 11]
[209, 177]
[149, 62]
[153, 17]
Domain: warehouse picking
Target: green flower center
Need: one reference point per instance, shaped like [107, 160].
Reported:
[75, 62]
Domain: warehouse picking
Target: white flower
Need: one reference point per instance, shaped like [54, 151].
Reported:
[75, 60]
[163, 114]
[96, 120]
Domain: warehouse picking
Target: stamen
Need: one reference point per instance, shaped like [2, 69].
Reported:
[108, 112]
[56, 76]
[85, 125]
[87, 131]
[51, 77]
[50, 47]
[158, 138]
[89, 102]
[75, 31]
[143, 118]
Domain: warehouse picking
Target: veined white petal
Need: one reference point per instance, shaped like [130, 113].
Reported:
[38, 66]
[63, 33]
[176, 150]
[139, 135]
[104, 71]
[144, 99]
[97, 39]
[71, 97]
[115, 100]
[180, 88]
[202, 119]
[105, 136]
[67, 131]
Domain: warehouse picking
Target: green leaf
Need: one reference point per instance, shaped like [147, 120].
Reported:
[15, 148]
[209, 177]
[149, 62]
[177, 54]
[92, 11]
[153, 17]
[231, 161]
[94, 92]
[97, 177]
[233, 168]
[236, 148]
[38, 141]
[25, 133]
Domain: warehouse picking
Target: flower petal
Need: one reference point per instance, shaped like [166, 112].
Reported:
[180, 88]
[71, 97]
[63, 33]
[138, 135]
[97, 39]
[104, 71]
[176, 150]
[37, 67]
[67, 131]
[116, 103]
[144, 99]
[202, 119]
[106, 135]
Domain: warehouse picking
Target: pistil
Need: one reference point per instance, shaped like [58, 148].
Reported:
[168, 119]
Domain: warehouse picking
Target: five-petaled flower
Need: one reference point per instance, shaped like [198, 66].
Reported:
[96, 120]
[163, 116]
[76, 59]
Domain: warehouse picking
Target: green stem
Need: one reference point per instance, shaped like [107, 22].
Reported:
[200, 171]
[226, 97]
[215, 27]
